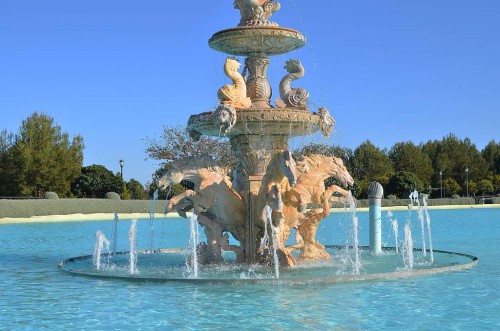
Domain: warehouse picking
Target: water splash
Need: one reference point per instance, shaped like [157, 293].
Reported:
[421, 219]
[408, 247]
[101, 240]
[115, 233]
[132, 238]
[151, 221]
[395, 230]
[428, 221]
[265, 240]
[352, 209]
[193, 243]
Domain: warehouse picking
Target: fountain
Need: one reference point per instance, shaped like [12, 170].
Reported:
[271, 195]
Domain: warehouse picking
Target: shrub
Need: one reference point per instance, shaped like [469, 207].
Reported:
[392, 197]
[50, 195]
[455, 196]
[112, 196]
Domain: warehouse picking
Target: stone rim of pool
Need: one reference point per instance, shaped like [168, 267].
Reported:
[469, 262]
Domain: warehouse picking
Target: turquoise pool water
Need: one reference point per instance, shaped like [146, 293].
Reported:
[35, 294]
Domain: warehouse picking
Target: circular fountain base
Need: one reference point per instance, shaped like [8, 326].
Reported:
[169, 265]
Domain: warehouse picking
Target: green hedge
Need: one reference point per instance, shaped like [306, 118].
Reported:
[406, 202]
[43, 207]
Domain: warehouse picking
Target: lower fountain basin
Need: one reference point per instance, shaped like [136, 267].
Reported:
[169, 265]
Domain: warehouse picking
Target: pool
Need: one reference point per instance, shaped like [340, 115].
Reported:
[36, 294]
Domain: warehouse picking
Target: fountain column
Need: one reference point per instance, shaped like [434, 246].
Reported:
[375, 194]
[258, 88]
[255, 153]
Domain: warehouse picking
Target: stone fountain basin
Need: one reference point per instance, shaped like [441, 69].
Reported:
[169, 265]
[289, 122]
[257, 41]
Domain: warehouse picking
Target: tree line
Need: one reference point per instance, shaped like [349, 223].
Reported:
[437, 167]
[41, 158]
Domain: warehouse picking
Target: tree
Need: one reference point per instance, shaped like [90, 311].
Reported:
[95, 181]
[496, 183]
[403, 183]
[407, 157]
[48, 160]
[136, 190]
[176, 144]
[371, 163]
[485, 186]
[491, 154]
[9, 178]
[472, 188]
[451, 155]
[451, 186]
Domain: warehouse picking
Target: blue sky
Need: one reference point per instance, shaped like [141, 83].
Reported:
[116, 71]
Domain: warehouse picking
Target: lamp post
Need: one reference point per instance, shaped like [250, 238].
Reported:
[121, 169]
[467, 179]
[441, 182]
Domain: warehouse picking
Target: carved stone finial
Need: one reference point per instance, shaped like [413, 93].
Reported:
[225, 118]
[256, 12]
[234, 95]
[327, 121]
[292, 97]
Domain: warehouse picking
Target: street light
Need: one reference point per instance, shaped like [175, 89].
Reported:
[121, 169]
[441, 182]
[467, 179]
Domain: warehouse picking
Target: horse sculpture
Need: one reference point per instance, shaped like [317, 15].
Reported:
[310, 189]
[217, 240]
[280, 175]
[219, 208]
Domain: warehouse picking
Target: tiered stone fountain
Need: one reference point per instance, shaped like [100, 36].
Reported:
[258, 131]
[270, 193]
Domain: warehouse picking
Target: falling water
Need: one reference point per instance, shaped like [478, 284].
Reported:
[421, 219]
[151, 220]
[115, 233]
[265, 239]
[193, 243]
[428, 221]
[132, 238]
[99, 245]
[408, 247]
[352, 209]
[395, 230]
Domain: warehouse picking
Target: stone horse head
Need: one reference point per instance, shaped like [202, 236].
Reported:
[287, 166]
[187, 169]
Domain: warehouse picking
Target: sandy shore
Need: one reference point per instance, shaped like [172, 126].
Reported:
[105, 217]
[80, 217]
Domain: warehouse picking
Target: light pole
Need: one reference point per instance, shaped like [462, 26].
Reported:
[441, 182]
[121, 169]
[467, 179]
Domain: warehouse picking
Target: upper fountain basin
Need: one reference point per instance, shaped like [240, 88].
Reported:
[257, 41]
[292, 122]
